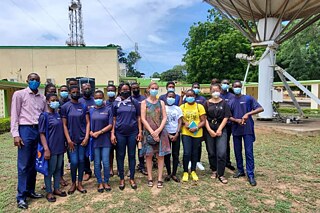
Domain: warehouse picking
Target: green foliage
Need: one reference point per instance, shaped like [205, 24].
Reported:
[300, 56]
[132, 58]
[121, 55]
[177, 73]
[211, 48]
[156, 75]
[4, 125]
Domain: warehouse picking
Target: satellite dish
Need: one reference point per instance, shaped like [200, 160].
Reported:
[266, 19]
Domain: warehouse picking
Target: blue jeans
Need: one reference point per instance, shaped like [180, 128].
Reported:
[54, 170]
[248, 148]
[102, 154]
[77, 162]
[26, 161]
[122, 143]
[190, 151]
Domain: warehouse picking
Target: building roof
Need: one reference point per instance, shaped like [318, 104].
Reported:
[58, 47]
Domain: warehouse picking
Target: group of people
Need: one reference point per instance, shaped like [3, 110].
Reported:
[89, 126]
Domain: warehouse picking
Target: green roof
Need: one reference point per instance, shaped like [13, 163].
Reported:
[58, 47]
[16, 84]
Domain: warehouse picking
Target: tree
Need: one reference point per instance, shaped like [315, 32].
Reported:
[156, 75]
[121, 55]
[177, 73]
[132, 58]
[211, 48]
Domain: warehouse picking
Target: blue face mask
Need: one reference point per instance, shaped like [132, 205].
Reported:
[154, 92]
[54, 105]
[196, 90]
[190, 99]
[170, 89]
[111, 94]
[237, 90]
[224, 87]
[98, 102]
[64, 94]
[170, 101]
[34, 85]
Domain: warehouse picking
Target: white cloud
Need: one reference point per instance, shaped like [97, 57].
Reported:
[155, 39]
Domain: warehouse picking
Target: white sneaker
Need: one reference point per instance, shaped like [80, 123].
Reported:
[189, 165]
[200, 166]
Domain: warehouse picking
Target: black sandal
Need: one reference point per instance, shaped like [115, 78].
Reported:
[160, 184]
[61, 194]
[150, 183]
[223, 179]
[82, 191]
[51, 199]
[122, 186]
[107, 187]
[133, 184]
[174, 178]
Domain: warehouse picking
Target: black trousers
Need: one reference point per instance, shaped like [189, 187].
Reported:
[229, 131]
[87, 169]
[175, 149]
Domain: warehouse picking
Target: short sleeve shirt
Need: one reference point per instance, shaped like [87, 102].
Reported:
[164, 99]
[173, 115]
[55, 138]
[88, 102]
[192, 113]
[216, 112]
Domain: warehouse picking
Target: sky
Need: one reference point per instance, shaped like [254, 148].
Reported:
[159, 27]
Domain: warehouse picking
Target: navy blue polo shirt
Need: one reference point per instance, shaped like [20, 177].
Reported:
[75, 113]
[164, 99]
[239, 106]
[227, 96]
[99, 119]
[139, 98]
[199, 99]
[55, 137]
[88, 102]
[126, 117]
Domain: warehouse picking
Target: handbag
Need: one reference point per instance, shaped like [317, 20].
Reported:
[150, 140]
[41, 163]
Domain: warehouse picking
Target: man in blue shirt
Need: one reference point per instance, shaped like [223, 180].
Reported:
[170, 88]
[242, 108]
[88, 100]
[227, 96]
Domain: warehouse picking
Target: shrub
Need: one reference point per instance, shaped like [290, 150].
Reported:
[4, 125]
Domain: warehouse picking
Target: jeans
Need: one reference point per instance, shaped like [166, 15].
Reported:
[102, 154]
[175, 149]
[248, 148]
[217, 148]
[190, 151]
[26, 161]
[228, 127]
[123, 142]
[77, 162]
[54, 170]
[87, 169]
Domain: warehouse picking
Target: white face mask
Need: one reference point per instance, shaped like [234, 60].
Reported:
[216, 95]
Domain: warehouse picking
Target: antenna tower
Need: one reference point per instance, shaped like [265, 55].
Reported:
[76, 24]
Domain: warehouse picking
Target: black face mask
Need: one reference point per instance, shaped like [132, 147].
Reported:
[125, 95]
[136, 92]
[75, 96]
[87, 93]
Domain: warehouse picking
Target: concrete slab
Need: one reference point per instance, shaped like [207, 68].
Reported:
[307, 127]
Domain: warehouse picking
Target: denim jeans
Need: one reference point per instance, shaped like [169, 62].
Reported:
[123, 142]
[190, 151]
[77, 162]
[102, 154]
[217, 150]
[175, 149]
[54, 170]
[26, 161]
[248, 148]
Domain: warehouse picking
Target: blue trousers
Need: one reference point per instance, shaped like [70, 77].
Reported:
[102, 154]
[54, 170]
[77, 162]
[248, 148]
[26, 161]
[190, 151]
[122, 143]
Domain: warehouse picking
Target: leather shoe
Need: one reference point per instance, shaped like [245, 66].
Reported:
[22, 204]
[252, 181]
[35, 195]
[239, 174]
[231, 167]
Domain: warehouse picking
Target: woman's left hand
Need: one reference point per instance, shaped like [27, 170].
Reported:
[193, 130]
[219, 133]
[96, 134]
[139, 137]
[84, 142]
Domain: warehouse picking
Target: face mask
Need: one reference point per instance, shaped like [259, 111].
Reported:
[224, 87]
[154, 92]
[98, 102]
[64, 94]
[111, 94]
[34, 85]
[190, 99]
[87, 93]
[125, 95]
[136, 92]
[237, 90]
[216, 95]
[171, 89]
[170, 101]
[75, 96]
[54, 105]
[196, 90]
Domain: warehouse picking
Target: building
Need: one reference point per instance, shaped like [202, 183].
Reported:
[56, 63]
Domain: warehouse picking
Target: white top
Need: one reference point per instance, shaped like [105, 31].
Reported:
[173, 115]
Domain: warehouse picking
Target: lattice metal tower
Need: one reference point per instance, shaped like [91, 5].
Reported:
[76, 24]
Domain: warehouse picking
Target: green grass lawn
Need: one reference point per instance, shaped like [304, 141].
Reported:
[287, 172]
